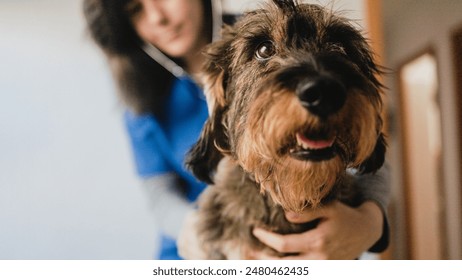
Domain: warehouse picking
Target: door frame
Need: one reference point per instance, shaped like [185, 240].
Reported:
[456, 49]
[406, 161]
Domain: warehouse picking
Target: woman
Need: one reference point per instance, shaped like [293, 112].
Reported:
[154, 50]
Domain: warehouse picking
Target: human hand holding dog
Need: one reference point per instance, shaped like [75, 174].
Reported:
[342, 233]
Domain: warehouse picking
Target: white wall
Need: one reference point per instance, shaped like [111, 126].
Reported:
[353, 9]
[67, 184]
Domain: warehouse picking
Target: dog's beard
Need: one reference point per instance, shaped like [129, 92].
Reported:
[264, 147]
[297, 184]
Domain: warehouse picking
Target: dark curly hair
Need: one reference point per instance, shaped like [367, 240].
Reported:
[143, 84]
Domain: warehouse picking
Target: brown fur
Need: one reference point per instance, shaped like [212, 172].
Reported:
[259, 84]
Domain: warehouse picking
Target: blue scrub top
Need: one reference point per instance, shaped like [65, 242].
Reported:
[161, 143]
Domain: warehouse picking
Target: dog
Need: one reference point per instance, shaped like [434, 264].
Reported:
[294, 102]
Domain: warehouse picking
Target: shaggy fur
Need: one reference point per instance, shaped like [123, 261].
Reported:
[294, 102]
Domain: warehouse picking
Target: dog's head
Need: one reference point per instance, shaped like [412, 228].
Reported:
[294, 99]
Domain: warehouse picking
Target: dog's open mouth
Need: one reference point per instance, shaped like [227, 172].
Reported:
[313, 147]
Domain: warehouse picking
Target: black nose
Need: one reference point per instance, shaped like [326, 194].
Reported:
[322, 96]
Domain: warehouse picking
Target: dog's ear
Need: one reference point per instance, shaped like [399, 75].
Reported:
[376, 159]
[213, 143]
[204, 156]
[211, 147]
[215, 69]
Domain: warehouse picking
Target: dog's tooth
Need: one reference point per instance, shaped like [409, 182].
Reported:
[301, 143]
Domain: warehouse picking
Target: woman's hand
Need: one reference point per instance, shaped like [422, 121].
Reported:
[342, 233]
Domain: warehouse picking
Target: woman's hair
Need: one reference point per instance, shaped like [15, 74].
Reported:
[142, 82]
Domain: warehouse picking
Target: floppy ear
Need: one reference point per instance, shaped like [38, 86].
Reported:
[376, 159]
[205, 155]
[213, 142]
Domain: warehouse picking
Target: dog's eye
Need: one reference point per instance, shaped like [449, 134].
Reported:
[265, 50]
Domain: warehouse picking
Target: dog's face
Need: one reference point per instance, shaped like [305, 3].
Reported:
[293, 98]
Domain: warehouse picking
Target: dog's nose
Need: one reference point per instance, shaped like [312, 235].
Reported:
[322, 96]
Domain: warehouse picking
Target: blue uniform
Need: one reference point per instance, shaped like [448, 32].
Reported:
[160, 143]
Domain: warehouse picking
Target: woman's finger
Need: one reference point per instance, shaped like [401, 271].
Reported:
[308, 214]
[289, 243]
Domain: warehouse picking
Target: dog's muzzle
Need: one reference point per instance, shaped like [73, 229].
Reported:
[322, 95]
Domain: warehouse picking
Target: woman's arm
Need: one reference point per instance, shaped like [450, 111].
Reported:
[175, 216]
[167, 203]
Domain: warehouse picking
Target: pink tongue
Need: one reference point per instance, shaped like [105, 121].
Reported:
[315, 144]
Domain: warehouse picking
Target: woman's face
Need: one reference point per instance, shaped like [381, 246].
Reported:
[176, 27]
